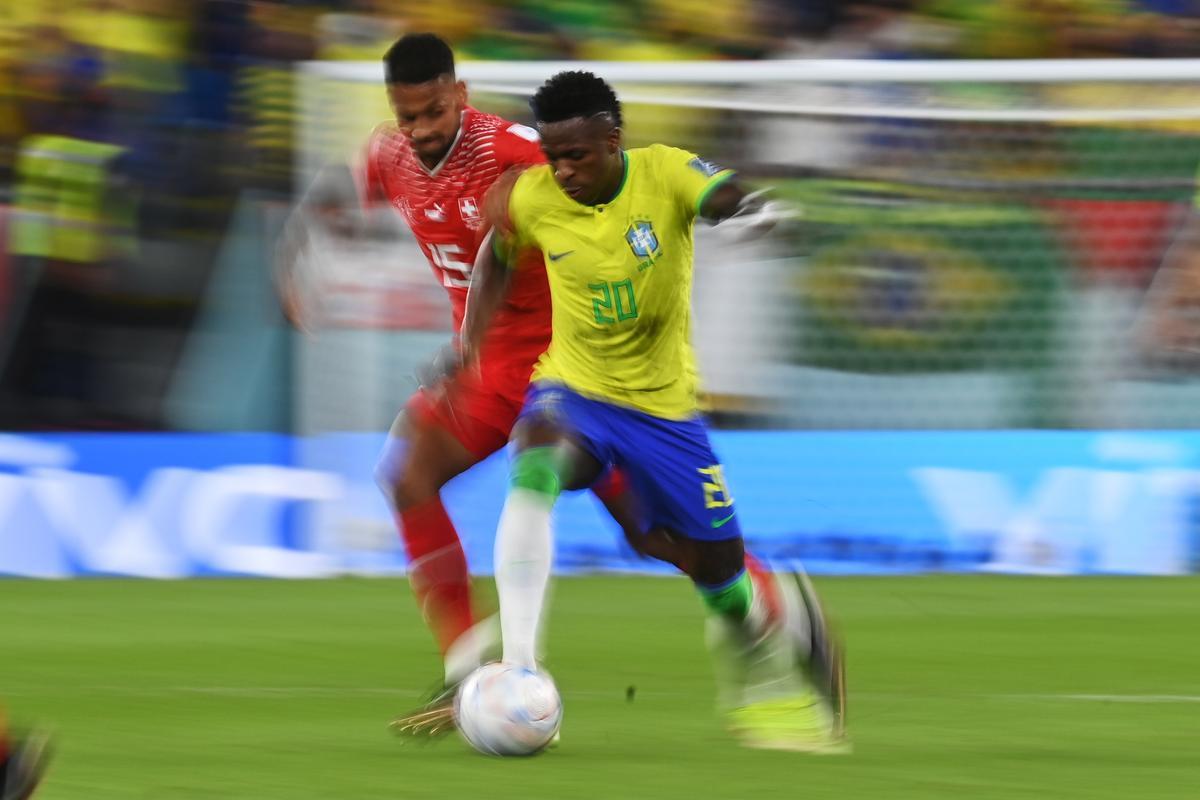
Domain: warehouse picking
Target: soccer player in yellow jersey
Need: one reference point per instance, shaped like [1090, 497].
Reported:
[618, 386]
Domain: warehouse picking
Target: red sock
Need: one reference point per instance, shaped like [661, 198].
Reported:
[437, 570]
[764, 586]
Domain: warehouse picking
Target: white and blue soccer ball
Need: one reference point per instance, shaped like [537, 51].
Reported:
[507, 710]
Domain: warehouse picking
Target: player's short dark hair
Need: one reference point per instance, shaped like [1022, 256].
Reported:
[418, 58]
[575, 94]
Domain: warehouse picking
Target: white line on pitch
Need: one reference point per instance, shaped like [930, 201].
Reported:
[270, 692]
[1147, 699]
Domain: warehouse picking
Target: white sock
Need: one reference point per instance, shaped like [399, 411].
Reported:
[524, 551]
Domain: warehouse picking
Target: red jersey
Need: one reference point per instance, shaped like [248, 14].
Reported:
[444, 209]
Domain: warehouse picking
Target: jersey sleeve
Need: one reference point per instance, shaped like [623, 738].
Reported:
[518, 144]
[368, 175]
[690, 178]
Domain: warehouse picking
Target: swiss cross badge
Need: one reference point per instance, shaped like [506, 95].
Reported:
[469, 209]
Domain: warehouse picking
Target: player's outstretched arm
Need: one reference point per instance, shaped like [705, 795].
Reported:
[725, 202]
[332, 202]
[745, 214]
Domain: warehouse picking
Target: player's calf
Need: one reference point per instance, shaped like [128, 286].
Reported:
[417, 460]
[819, 650]
[402, 477]
[780, 679]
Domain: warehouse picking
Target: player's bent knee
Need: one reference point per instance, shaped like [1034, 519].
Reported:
[403, 486]
[538, 469]
[533, 431]
[717, 562]
[389, 468]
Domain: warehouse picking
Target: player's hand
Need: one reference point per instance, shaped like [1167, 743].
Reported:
[343, 222]
[756, 216]
[333, 202]
[1167, 344]
[1171, 336]
[287, 259]
[468, 356]
[292, 302]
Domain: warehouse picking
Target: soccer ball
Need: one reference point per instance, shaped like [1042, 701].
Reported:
[506, 710]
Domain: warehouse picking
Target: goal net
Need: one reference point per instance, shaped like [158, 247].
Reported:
[976, 239]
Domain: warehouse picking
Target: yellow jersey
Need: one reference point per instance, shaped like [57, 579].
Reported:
[620, 278]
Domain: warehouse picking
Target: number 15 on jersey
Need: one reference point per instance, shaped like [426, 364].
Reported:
[448, 258]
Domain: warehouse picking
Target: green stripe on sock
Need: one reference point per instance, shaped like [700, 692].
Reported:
[733, 601]
[538, 469]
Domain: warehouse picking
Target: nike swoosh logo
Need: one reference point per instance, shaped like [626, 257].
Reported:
[557, 256]
[716, 523]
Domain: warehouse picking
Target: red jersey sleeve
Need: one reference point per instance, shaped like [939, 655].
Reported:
[368, 173]
[518, 144]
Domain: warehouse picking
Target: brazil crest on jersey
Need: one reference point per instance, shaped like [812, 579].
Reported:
[620, 279]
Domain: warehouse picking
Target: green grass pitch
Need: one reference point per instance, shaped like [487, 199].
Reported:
[974, 687]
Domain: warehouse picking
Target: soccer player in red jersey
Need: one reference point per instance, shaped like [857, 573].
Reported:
[435, 164]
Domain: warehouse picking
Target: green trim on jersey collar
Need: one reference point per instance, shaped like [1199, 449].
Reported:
[624, 180]
[712, 187]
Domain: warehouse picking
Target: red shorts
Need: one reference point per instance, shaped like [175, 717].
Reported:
[478, 407]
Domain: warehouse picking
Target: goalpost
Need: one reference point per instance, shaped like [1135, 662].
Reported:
[975, 244]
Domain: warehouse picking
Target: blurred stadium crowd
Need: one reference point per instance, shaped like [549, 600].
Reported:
[130, 129]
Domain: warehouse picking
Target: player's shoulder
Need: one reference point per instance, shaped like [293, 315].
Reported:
[534, 192]
[536, 181]
[667, 156]
[506, 141]
[385, 141]
[660, 154]
[661, 151]
[480, 124]
[383, 134]
[654, 162]
[669, 165]
[520, 134]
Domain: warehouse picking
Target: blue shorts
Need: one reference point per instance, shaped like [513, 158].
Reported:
[670, 464]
